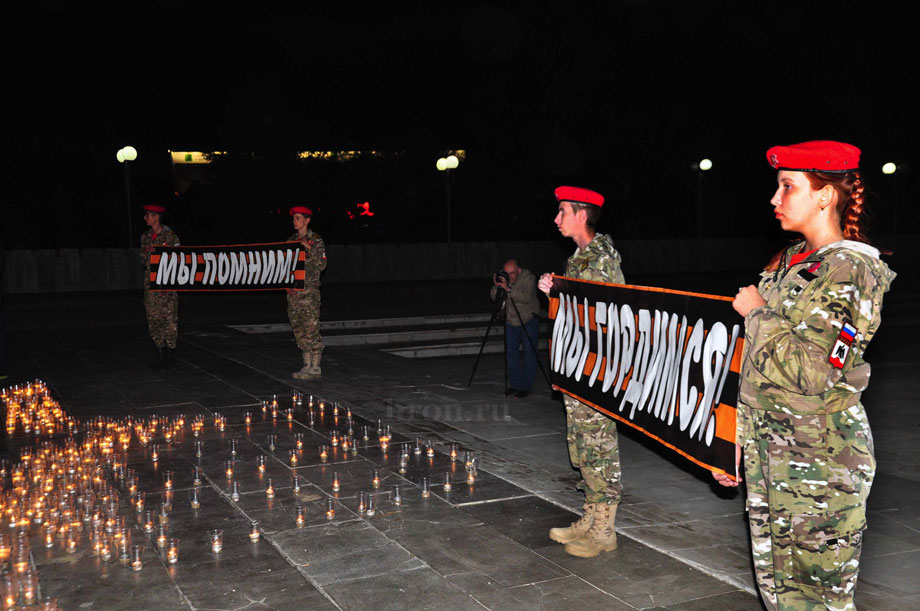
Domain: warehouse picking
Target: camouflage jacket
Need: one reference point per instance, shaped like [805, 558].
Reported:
[166, 237]
[316, 258]
[599, 261]
[804, 348]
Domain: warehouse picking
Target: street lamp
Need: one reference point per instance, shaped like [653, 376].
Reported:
[704, 165]
[125, 155]
[446, 164]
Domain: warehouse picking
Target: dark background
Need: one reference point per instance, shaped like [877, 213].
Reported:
[620, 96]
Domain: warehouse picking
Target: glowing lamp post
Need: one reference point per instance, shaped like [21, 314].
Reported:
[446, 164]
[124, 156]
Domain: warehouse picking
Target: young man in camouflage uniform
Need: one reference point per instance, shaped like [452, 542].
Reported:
[162, 307]
[803, 433]
[591, 435]
[303, 306]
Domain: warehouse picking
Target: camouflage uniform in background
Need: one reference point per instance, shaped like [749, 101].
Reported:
[303, 306]
[591, 435]
[806, 442]
[162, 306]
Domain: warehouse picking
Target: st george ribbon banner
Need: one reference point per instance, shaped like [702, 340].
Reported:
[662, 361]
[242, 267]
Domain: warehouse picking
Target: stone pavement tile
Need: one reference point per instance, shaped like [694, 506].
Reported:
[422, 589]
[234, 583]
[526, 520]
[478, 549]
[897, 524]
[549, 449]
[639, 575]
[884, 537]
[731, 601]
[894, 492]
[873, 598]
[86, 582]
[562, 594]
[417, 514]
[346, 551]
[691, 534]
[893, 573]
[279, 514]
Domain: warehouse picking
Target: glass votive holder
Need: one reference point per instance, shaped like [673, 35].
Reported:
[247, 418]
[149, 520]
[454, 454]
[403, 464]
[310, 417]
[168, 480]
[298, 441]
[293, 458]
[196, 476]
[195, 501]
[162, 536]
[172, 551]
[228, 468]
[365, 433]
[429, 449]
[289, 414]
[233, 447]
[426, 488]
[397, 497]
[362, 501]
[155, 452]
[163, 516]
[330, 509]
[334, 440]
[254, 533]
[29, 584]
[371, 506]
[260, 463]
[470, 477]
[216, 537]
[336, 484]
[375, 481]
[199, 448]
[234, 490]
[270, 489]
[418, 447]
[295, 484]
[137, 557]
[270, 442]
[323, 453]
[447, 484]
[300, 516]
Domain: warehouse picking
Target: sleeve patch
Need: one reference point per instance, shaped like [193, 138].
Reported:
[842, 346]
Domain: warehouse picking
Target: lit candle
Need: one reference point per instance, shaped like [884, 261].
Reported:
[376, 480]
[330, 509]
[247, 418]
[293, 458]
[426, 488]
[470, 478]
[418, 447]
[168, 480]
[298, 441]
[335, 482]
[228, 469]
[270, 489]
[397, 497]
[323, 454]
[148, 521]
[234, 490]
[429, 451]
[161, 536]
[195, 502]
[290, 414]
[217, 540]
[155, 453]
[362, 502]
[300, 516]
[172, 551]
[334, 441]
[137, 557]
[447, 484]
[453, 452]
[254, 534]
[260, 461]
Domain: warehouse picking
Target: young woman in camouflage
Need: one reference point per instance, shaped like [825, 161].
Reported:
[802, 431]
[303, 306]
[162, 307]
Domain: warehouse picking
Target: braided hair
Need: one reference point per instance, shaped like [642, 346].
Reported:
[851, 203]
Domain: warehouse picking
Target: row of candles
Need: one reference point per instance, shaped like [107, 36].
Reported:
[61, 490]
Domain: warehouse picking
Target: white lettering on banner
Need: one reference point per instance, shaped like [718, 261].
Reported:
[223, 268]
[655, 350]
[238, 267]
[210, 268]
[293, 265]
[191, 279]
[268, 266]
[255, 267]
[166, 271]
[184, 270]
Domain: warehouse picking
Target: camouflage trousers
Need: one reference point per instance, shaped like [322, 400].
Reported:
[594, 450]
[162, 317]
[808, 478]
[303, 312]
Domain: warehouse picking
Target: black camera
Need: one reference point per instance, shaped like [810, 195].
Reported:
[502, 274]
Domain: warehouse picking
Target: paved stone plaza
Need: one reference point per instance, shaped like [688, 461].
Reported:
[683, 540]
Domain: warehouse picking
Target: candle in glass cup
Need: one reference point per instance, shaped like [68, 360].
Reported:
[295, 484]
[172, 551]
[228, 469]
[148, 521]
[260, 462]
[334, 440]
[362, 501]
[335, 482]
[137, 557]
[199, 446]
[470, 478]
[293, 459]
[195, 501]
[330, 509]
[426, 488]
[429, 449]
[447, 484]
[29, 583]
[247, 418]
[155, 453]
[397, 497]
[168, 480]
[139, 500]
[299, 516]
[254, 534]
[270, 489]
[196, 476]
[217, 540]
[163, 516]
[234, 490]
[162, 536]
[233, 447]
[375, 481]
[453, 452]
[298, 441]
[371, 506]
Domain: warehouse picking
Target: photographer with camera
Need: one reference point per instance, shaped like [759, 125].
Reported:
[515, 290]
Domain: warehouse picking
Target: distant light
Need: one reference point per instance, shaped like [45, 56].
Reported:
[706, 164]
[128, 153]
[452, 162]
[889, 168]
[441, 164]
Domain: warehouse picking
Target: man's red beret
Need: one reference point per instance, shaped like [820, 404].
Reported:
[300, 210]
[579, 196]
[154, 208]
[815, 156]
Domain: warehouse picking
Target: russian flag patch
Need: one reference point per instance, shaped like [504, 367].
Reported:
[842, 346]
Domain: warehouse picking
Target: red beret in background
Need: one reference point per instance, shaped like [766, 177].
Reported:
[815, 156]
[154, 208]
[579, 196]
[300, 210]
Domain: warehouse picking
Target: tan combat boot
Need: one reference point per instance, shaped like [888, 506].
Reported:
[574, 530]
[315, 371]
[601, 537]
[304, 373]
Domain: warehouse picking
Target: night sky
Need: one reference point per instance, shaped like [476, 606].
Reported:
[623, 97]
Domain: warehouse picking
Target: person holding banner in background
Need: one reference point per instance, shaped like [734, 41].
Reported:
[803, 433]
[303, 305]
[162, 307]
[591, 435]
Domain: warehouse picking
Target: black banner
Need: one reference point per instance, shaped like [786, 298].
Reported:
[665, 362]
[242, 267]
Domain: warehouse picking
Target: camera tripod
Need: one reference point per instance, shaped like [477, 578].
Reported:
[499, 314]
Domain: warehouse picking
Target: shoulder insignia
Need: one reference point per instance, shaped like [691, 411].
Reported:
[842, 346]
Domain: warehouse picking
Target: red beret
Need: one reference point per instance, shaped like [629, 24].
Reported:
[154, 208]
[579, 196]
[300, 210]
[815, 156]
